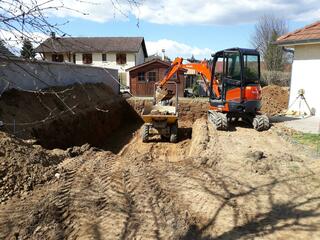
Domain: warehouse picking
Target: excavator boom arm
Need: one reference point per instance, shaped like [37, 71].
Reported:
[175, 67]
[201, 68]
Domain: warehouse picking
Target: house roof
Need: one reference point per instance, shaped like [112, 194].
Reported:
[307, 34]
[92, 44]
[165, 63]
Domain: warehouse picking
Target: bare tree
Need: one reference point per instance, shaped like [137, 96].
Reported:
[22, 18]
[267, 30]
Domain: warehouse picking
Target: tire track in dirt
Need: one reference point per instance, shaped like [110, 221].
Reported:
[197, 194]
[64, 197]
[116, 213]
[30, 210]
[154, 212]
[98, 200]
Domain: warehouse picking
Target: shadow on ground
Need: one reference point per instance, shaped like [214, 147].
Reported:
[281, 216]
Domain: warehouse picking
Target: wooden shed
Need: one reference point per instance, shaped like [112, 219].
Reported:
[143, 77]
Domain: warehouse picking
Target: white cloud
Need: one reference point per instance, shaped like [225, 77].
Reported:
[14, 39]
[224, 11]
[183, 12]
[176, 49]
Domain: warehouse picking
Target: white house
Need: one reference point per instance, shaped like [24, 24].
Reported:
[118, 53]
[305, 68]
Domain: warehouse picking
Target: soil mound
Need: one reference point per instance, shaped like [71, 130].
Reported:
[274, 100]
[23, 166]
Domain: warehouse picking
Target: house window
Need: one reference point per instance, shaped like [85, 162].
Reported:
[87, 58]
[152, 76]
[121, 58]
[141, 76]
[104, 57]
[57, 58]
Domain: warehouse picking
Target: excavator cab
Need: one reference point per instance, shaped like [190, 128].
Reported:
[236, 94]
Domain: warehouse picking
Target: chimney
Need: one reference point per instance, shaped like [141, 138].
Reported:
[53, 35]
[163, 54]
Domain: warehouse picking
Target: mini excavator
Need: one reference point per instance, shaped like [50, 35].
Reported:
[235, 92]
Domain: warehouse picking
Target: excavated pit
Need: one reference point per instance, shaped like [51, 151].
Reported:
[80, 114]
[109, 130]
[88, 113]
[71, 116]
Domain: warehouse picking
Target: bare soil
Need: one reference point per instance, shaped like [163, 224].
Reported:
[239, 184]
[275, 100]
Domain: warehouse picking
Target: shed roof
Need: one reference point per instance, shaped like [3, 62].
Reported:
[164, 63]
[305, 35]
[92, 44]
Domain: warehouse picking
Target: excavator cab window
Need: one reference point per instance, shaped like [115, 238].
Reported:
[231, 77]
[232, 66]
[251, 73]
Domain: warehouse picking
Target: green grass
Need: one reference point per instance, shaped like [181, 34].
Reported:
[309, 139]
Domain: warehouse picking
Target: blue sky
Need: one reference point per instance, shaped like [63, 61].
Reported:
[214, 37]
[182, 27]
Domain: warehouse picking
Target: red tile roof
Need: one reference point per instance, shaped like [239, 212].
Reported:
[308, 34]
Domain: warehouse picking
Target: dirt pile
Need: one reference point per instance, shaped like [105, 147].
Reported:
[274, 100]
[262, 164]
[23, 166]
[204, 146]
[70, 116]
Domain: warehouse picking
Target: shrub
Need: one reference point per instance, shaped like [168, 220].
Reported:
[275, 78]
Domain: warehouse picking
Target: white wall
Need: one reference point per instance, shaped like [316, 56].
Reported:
[111, 61]
[133, 59]
[306, 75]
[35, 75]
[140, 56]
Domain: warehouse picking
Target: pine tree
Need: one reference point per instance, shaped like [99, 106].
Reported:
[27, 50]
[4, 51]
[1, 43]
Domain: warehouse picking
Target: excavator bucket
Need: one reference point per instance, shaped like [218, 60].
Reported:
[163, 94]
